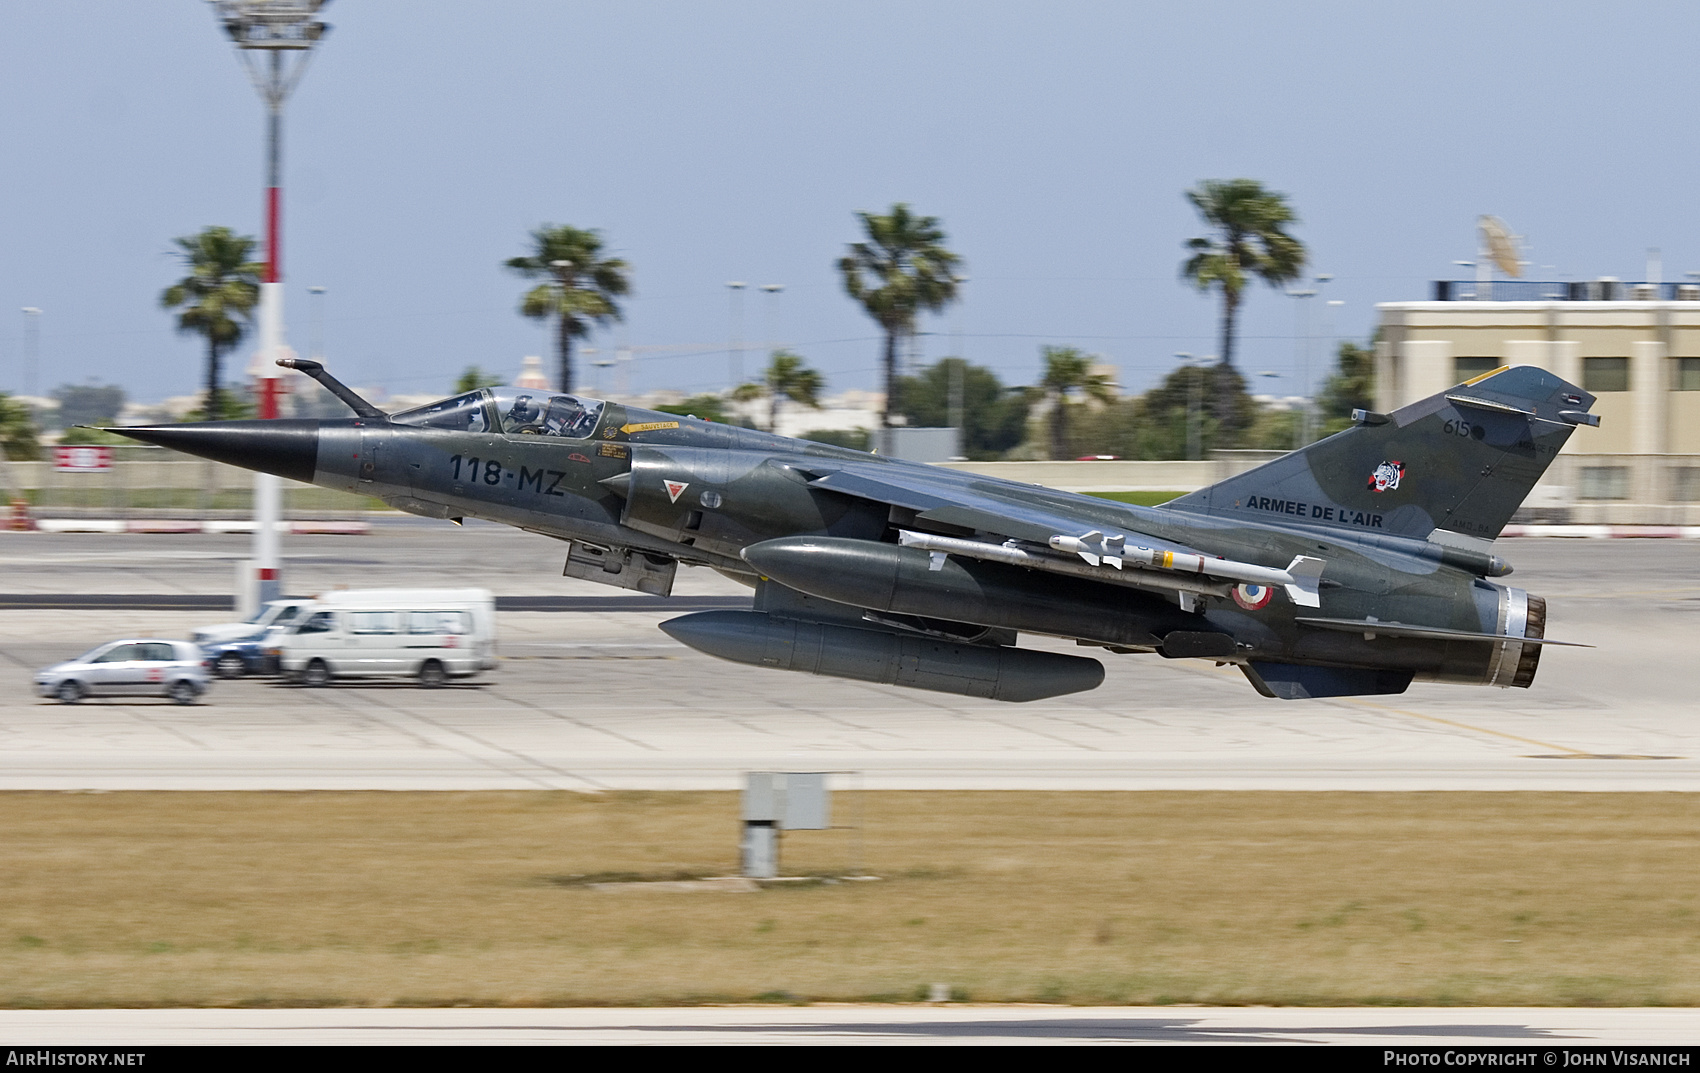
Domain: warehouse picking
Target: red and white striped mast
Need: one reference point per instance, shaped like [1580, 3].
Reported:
[274, 39]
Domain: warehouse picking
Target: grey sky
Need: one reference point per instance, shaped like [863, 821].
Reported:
[712, 142]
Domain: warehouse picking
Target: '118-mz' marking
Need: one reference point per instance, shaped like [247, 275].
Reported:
[529, 479]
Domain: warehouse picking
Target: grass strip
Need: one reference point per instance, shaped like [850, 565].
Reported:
[386, 898]
[1139, 499]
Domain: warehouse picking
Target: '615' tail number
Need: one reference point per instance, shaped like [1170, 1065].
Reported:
[492, 474]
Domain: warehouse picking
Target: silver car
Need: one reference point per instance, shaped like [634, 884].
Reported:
[131, 668]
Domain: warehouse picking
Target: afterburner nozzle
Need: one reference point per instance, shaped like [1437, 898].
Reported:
[288, 448]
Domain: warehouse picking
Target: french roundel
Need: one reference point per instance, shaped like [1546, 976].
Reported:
[1253, 597]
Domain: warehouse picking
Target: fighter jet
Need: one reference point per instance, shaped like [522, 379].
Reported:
[1353, 567]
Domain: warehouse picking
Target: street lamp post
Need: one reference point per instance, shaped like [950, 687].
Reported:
[772, 290]
[1330, 341]
[958, 380]
[735, 345]
[316, 340]
[1194, 403]
[1301, 347]
[1309, 422]
[599, 361]
[1306, 430]
[274, 40]
[32, 347]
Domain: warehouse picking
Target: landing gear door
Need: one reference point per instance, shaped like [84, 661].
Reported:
[623, 568]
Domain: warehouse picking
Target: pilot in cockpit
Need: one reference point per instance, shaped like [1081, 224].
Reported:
[550, 415]
[522, 416]
[564, 417]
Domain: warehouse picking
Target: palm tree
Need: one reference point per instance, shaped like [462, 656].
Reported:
[1068, 370]
[18, 438]
[1247, 239]
[579, 286]
[901, 270]
[992, 417]
[788, 378]
[217, 297]
[474, 377]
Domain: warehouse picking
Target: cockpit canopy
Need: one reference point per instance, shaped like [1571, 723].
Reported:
[514, 411]
[546, 413]
[463, 413]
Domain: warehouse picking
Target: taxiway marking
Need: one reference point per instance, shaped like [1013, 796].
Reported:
[1467, 726]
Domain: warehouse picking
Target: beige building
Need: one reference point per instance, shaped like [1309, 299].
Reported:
[1640, 357]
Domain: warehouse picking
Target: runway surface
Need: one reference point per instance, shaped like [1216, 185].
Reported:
[1542, 1031]
[599, 698]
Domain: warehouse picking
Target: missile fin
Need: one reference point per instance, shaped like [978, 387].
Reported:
[1305, 589]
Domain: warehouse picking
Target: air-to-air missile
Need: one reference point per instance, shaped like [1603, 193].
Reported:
[1355, 566]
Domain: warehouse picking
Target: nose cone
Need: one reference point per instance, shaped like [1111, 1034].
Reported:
[732, 635]
[286, 448]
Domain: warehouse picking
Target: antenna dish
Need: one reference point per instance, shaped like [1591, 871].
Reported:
[1500, 244]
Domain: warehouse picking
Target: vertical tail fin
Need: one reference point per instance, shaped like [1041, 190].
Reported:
[1462, 461]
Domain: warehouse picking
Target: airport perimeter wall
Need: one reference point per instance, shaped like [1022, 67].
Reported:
[167, 485]
[168, 488]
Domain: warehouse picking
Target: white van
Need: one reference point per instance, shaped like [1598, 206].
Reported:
[430, 635]
[275, 613]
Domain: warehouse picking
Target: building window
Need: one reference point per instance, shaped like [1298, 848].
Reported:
[1469, 368]
[1605, 374]
[1685, 484]
[1605, 482]
[1687, 374]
